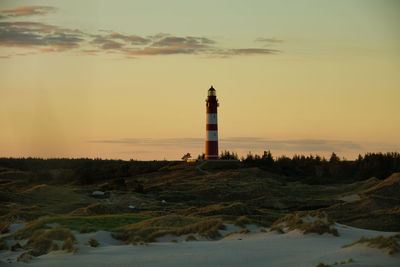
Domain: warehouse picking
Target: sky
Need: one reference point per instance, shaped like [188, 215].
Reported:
[129, 79]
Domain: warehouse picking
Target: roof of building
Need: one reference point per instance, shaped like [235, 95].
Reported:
[211, 89]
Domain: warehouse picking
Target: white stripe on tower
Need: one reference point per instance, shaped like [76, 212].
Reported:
[212, 135]
[211, 118]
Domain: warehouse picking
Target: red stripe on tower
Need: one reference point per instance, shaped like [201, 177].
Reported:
[212, 125]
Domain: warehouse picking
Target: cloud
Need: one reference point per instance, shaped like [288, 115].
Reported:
[251, 51]
[132, 39]
[44, 38]
[105, 43]
[27, 11]
[269, 40]
[190, 41]
[172, 45]
[38, 35]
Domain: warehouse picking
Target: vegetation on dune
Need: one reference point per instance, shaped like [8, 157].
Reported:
[93, 242]
[4, 227]
[321, 264]
[260, 190]
[390, 243]
[98, 209]
[306, 223]
[3, 244]
[82, 224]
[41, 241]
[150, 230]
[68, 245]
[242, 221]
[191, 238]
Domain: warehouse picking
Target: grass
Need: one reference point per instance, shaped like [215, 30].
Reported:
[4, 227]
[82, 224]
[306, 222]
[149, 230]
[69, 245]
[390, 243]
[242, 221]
[41, 241]
[87, 224]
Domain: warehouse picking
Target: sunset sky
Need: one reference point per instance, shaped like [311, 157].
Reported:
[128, 79]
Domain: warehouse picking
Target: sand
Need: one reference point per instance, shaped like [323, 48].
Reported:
[253, 249]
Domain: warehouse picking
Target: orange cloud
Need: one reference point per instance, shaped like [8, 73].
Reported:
[28, 11]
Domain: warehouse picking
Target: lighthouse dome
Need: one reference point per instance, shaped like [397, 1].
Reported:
[211, 91]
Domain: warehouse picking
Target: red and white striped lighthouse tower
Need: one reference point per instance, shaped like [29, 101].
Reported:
[212, 125]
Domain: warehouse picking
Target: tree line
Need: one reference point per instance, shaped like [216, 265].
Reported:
[308, 169]
[319, 170]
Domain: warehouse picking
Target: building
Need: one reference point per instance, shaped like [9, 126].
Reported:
[212, 125]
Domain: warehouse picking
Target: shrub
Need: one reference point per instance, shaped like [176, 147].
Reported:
[69, 245]
[16, 246]
[59, 233]
[93, 243]
[242, 221]
[322, 265]
[41, 246]
[245, 231]
[55, 247]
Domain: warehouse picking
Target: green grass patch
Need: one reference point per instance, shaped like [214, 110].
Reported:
[95, 223]
[82, 224]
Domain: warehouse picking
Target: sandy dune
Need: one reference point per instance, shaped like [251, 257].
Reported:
[253, 249]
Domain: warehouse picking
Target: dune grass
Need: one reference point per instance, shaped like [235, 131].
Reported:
[389, 242]
[4, 227]
[149, 230]
[41, 241]
[242, 221]
[82, 224]
[312, 222]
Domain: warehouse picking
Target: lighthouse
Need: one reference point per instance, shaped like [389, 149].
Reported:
[212, 125]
